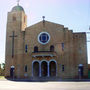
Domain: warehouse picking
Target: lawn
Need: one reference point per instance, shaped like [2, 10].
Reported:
[2, 77]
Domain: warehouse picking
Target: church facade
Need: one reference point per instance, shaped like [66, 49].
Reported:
[44, 49]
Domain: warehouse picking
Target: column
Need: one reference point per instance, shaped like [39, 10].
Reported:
[56, 69]
[48, 70]
[32, 69]
[40, 69]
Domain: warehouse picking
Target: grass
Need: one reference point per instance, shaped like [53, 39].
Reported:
[2, 77]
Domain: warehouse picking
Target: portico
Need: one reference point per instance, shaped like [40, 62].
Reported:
[44, 68]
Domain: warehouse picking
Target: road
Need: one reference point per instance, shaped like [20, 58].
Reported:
[12, 85]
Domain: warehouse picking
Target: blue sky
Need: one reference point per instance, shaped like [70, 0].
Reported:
[74, 14]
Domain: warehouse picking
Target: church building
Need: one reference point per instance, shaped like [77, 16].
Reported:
[43, 50]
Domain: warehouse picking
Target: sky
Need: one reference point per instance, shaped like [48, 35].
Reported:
[74, 14]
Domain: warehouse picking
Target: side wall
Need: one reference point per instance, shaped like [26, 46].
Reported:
[80, 52]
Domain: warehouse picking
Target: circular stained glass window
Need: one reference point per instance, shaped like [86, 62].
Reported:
[43, 38]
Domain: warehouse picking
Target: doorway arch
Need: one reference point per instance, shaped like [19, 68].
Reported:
[44, 68]
[12, 68]
[35, 68]
[80, 70]
[52, 68]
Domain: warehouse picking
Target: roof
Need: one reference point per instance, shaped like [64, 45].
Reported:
[18, 8]
[46, 23]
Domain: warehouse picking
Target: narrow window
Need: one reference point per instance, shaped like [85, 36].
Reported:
[14, 18]
[62, 67]
[24, 19]
[80, 50]
[52, 48]
[25, 69]
[26, 48]
[35, 49]
[62, 46]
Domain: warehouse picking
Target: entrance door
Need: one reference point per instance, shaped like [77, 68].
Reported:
[12, 71]
[52, 67]
[44, 70]
[36, 69]
[80, 71]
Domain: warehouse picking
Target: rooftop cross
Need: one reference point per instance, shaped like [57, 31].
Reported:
[43, 20]
[18, 2]
[43, 17]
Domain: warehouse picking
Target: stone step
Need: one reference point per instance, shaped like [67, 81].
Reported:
[45, 78]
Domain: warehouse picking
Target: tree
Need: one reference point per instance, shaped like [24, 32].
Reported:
[2, 69]
[3, 66]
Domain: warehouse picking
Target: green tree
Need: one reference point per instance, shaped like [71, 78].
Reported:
[2, 69]
[3, 66]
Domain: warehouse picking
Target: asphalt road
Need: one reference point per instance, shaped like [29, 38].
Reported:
[12, 85]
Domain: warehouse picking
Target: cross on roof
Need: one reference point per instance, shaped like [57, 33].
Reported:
[18, 2]
[43, 17]
[43, 20]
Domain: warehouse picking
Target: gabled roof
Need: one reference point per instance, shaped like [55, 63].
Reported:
[46, 23]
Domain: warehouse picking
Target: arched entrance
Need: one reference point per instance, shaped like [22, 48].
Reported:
[52, 67]
[44, 69]
[12, 68]
[36, 69]
[80, 70]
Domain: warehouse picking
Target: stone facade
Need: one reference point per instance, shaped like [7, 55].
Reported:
[64, 56]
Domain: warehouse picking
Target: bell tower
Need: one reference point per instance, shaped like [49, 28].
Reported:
[16, 24]
[18, 17]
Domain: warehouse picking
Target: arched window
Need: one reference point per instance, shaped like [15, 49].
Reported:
[25, 68]
[35, 49]
[62, 46]
[62, 67]
[51, 48]
[26, 48]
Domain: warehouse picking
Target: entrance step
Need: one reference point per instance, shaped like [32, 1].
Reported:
[45, 79]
